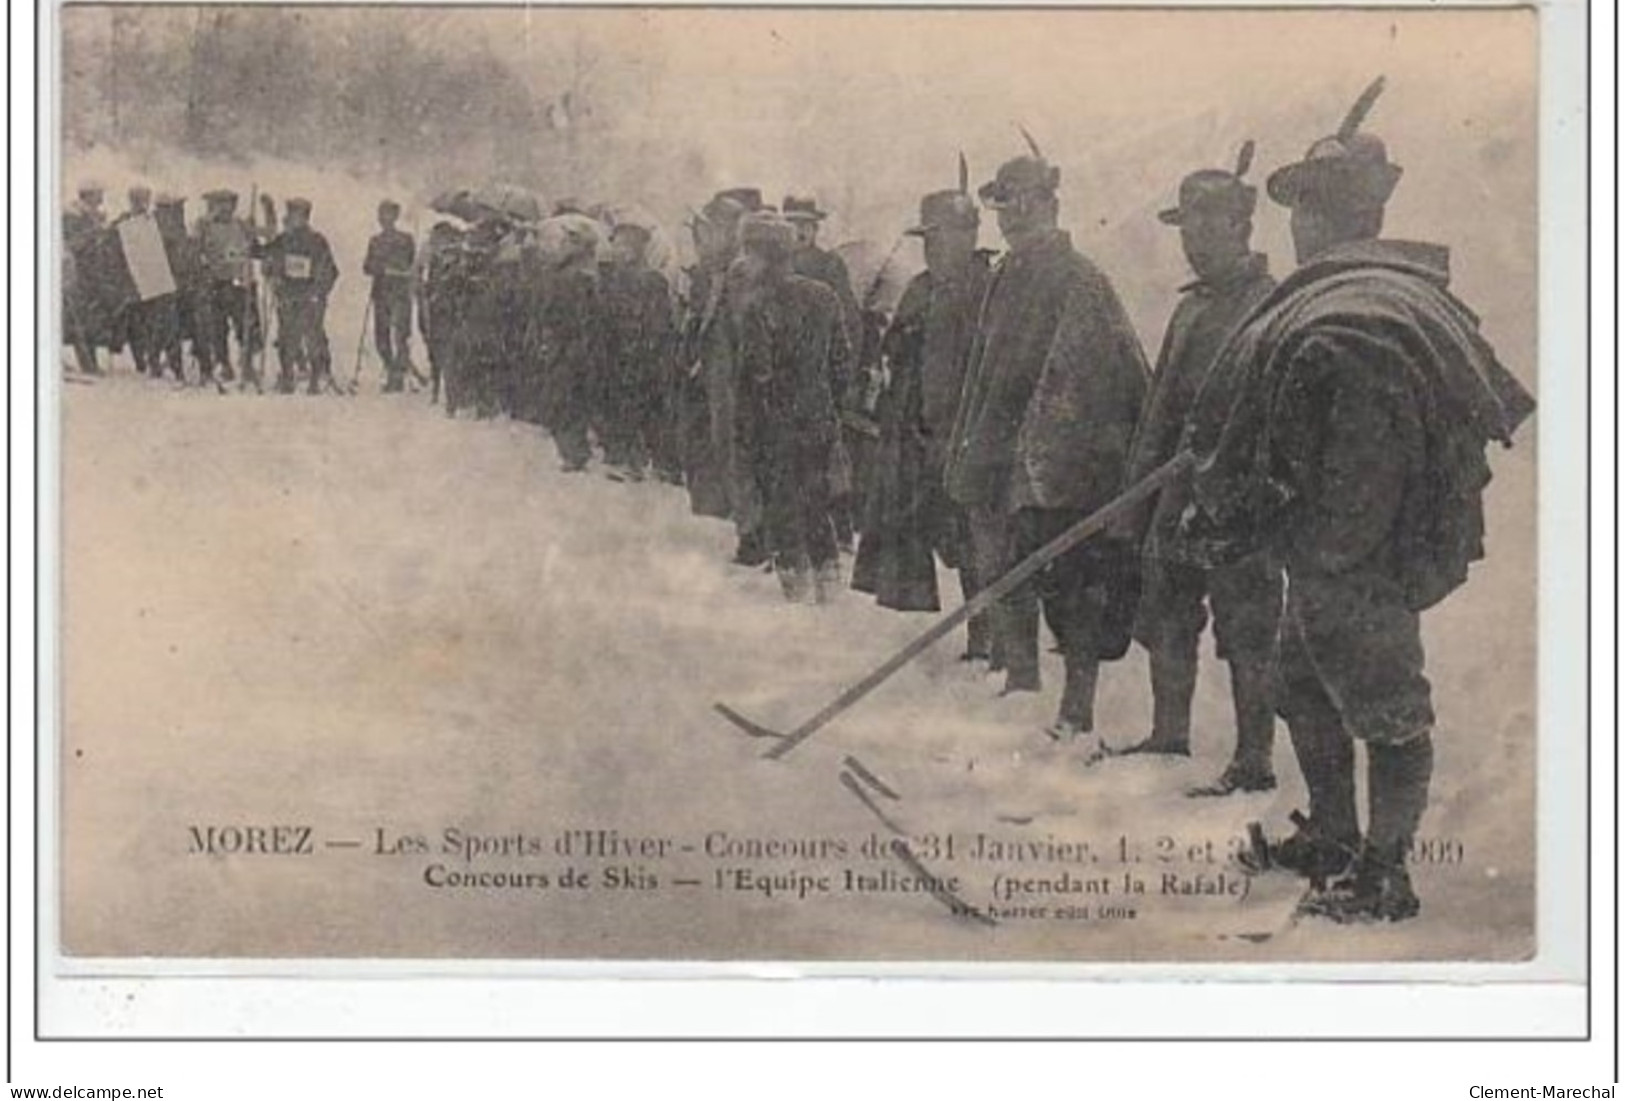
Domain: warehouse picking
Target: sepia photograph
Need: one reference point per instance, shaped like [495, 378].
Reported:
[948, 487]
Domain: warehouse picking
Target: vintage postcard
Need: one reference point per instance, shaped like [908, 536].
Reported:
[917, 486]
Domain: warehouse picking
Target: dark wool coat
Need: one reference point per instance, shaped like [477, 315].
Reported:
[1208, 312]
[391, 256]
[792, 357]
[572, 350]
[96, 285]
[829, 269]
[300, 263]
[908, 516]
[639, 337]
[1053, 390]
[1345, 424]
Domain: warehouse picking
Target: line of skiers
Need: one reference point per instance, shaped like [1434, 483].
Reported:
[1339, 418]
[148, 282]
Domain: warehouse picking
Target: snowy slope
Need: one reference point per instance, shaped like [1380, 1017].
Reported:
[360, 616]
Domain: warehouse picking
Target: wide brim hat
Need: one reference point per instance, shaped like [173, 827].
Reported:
[1211, 191]
[760, 228]
[509, 201]
[728, 206]
[1025, 175]
[220, 195]
[1352, 172]
[298, 203]
[950, 209]
[567, 235]
[748, 197]
[798, 208]
[1348, 170]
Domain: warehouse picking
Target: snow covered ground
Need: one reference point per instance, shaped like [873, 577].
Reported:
[358, 616]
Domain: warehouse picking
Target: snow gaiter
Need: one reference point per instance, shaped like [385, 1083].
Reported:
[1326, 757]
[1398, 777]
[1173, 684]
[1078, 697]
[1255, 715]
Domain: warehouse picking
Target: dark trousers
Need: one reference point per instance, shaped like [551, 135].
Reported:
[227, 309]
[1245, 598]
[793, 485]
[140, 325]
[663, 429]
[155, 336]
[1086, 594]
[1351, 666]
[622, 419]
[392, 329]
[302, 340]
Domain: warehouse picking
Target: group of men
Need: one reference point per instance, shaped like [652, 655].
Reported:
[147, 281]
[1338, 419]
[563, 322]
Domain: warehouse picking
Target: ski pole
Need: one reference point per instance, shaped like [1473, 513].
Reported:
[1071, 537]
[360, 345]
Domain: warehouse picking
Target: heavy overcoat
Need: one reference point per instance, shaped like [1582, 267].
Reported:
[1053, 390]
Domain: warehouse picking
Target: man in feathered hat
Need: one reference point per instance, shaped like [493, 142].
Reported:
[1344, 427]
[908, 519]
[1052, 393]
[1215, 221]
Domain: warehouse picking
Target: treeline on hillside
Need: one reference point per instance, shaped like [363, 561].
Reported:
[375, 96]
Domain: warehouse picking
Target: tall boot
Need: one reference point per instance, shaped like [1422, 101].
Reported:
[1398, 777]
[1250, 768]
[1015, 633]
[1328, 841]
[795, 578]
[1380, 887]
[978, 640]
[1078, 697]
[827, 581]
[1075, 725]
[1255, 716]
[1173, 684]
